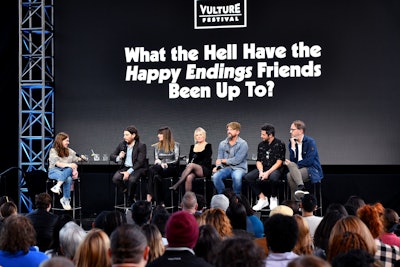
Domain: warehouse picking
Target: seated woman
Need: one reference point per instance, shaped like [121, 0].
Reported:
[199, 161]
[166, 163]
[63, 167]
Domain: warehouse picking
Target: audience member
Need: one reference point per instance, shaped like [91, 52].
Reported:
[281, 209]
[295, 205]
[189, 202]
[308, 206]
[351, 224]
[131, 154]
[160, 218]
[337, 207]
[55, 246]
[57, 261]
[253, 223]
[304, 162]
[353, 203]
[239, 252]
[218, 218]
[219, 201]
[199, 161]
[7, 209]
[17, 241]
[281, 232]
[141, 212]
[390, 223]
[94, 250]
[207, 243]
[113, 219]
[43, 221]
[128, 246]
[354, 258]
[269, 168]
[238, 218]
[304, 244]
[370, 215]
[231, 160]
[71, 236]
[182, 233]
[323, 231]
[166, 163]
[308, 261]
[345, 242]
[154, 241]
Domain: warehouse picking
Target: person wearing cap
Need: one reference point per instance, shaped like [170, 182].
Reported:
[231, 160]
[219, 201]
[269, 167]
[182, 232]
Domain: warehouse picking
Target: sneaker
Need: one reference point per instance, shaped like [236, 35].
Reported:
[262, 203]
[299, 194]
[65, 203]
[56, 189]
[273, 202]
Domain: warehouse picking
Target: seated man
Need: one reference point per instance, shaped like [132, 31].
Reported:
[231, 160]
[270, 157]
[132, 155]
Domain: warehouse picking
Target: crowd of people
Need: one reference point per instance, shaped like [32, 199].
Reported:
[230, 232]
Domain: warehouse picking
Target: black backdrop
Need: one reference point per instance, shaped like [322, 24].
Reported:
[350, 106]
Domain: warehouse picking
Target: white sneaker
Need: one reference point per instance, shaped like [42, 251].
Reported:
[55, 189]
[299, 194]
[273, 202]
[65, 203]
[262, 203]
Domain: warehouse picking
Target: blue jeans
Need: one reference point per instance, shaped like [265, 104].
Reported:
[224, 173]
[65, 175]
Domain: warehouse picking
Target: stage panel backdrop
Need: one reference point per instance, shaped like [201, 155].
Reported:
[188, 64]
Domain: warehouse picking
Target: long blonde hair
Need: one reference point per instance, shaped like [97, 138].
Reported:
[93, 251]
[154, 241]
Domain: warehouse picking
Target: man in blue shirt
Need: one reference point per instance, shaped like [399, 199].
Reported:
[304, 162]
[232, 160]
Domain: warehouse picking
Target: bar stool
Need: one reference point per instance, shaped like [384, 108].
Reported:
[124, 206]
[75, 198]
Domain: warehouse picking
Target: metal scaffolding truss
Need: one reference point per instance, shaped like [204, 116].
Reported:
[36, 84]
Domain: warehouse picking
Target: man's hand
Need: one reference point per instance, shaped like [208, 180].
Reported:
[125, 175]
[121, 155]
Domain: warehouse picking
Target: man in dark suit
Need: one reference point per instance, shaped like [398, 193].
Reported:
[132, 156]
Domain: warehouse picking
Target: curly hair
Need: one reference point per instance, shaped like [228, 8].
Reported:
[218, 218]
[370, 215]
[17, 234]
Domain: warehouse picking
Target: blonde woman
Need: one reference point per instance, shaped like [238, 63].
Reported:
[94, 250]
[199, 161]
[154, 241]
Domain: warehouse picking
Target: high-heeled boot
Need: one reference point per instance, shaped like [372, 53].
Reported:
[176, 185]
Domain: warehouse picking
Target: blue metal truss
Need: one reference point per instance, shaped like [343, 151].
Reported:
[36, 88]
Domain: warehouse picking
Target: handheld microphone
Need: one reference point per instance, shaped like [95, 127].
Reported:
[82, 157]
[194, 156]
